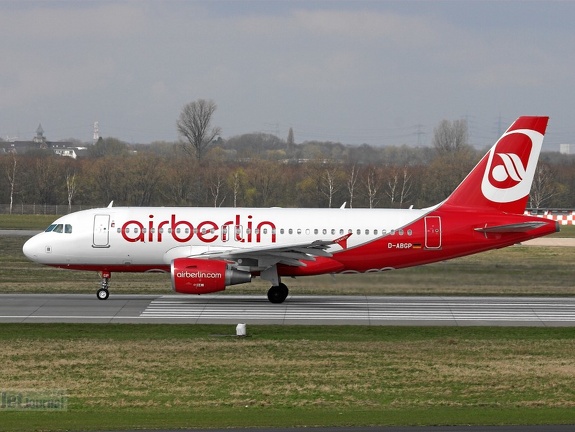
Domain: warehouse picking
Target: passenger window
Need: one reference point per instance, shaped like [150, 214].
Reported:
[282, 231]
[358, 232]
[332, 232]
[316, 231]
[324, 231]
[299, 230]
[409, 232]
[341, 232]
[290, 231]
[375, 232]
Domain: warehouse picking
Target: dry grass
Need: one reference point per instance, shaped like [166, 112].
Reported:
[445, 370]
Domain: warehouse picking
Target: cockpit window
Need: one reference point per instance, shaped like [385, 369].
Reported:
[60, 228]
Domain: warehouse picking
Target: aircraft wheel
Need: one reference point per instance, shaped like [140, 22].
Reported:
[277, 294]
[102, 294]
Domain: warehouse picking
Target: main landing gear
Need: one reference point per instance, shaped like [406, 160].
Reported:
[278, 293]
[103, 292]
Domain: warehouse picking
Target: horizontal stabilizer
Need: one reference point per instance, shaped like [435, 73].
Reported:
[513, 228]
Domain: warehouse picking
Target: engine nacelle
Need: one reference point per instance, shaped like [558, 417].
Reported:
[200, 276]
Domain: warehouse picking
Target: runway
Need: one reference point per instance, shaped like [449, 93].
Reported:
[296, 310]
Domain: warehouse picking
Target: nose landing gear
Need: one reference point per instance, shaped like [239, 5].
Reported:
[103, 292]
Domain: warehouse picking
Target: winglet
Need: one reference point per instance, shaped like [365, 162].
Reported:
[342, 241]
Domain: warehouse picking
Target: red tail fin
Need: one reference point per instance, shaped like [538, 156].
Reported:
[502, 179]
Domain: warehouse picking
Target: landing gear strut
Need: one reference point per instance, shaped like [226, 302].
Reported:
[278, 293]
[103, 292]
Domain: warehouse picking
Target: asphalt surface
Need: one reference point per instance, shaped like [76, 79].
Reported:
[305, 310]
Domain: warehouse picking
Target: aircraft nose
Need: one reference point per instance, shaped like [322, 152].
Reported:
[32, 248]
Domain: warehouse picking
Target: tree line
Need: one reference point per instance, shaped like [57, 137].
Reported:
[262, 170]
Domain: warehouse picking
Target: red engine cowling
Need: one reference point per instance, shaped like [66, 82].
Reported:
[199, 276]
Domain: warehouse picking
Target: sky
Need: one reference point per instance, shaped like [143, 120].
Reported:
[374, 72]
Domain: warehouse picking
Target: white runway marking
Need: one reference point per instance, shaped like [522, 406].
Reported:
[370, 310]
[310, 310]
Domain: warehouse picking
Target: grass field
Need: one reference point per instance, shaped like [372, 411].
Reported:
[172, 376]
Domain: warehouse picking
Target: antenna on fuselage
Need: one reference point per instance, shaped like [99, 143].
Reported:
[343, 205]
[111, 204]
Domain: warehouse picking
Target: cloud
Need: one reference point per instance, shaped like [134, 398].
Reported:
[327, 66]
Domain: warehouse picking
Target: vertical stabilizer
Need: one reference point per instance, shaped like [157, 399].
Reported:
[502, 179]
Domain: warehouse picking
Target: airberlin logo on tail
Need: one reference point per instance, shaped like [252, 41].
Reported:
[512, 169]
[511, 166]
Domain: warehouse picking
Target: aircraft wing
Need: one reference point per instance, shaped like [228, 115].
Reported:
[292, 255]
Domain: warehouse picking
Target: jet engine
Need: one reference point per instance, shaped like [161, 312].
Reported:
[202, 276]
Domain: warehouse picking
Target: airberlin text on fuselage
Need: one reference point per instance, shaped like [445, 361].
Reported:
[207, 231]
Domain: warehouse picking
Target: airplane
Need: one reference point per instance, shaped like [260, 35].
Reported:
[206, 250]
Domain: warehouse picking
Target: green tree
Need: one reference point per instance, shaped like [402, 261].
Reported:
[107, 147]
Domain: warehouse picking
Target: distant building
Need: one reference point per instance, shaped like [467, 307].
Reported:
[39, 142]
[567, 148]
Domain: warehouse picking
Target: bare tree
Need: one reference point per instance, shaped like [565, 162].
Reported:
[450, 137]
[544, 185]
[236, 181]
[399, 186]
[194, 124]
[71, 186]
[217, 185]
[372, 185]
[328, 185]
[405, 192]
[11, 174]
[351, 181]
